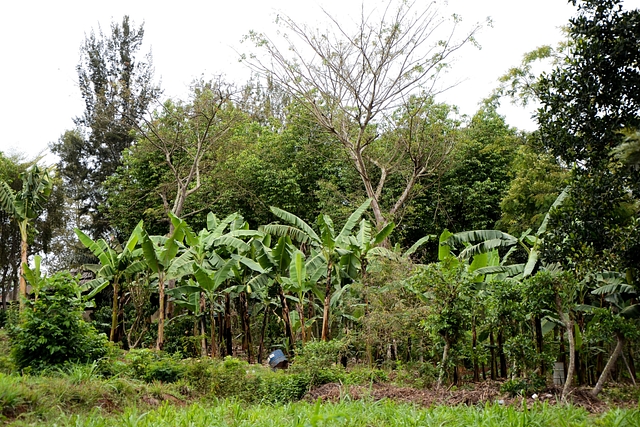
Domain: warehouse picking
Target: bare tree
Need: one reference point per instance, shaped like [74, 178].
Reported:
[184, 133]
[353, 80]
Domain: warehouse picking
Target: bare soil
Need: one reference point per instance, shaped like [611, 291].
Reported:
[469, 394]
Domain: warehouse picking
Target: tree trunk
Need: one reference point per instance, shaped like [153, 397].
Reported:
[539, 342]
[445, 355]
[474, 343]
[493, 357]
[327, 303]
[609, 366]
[303, 331]
[264, 330]
[246, 325]
[228, 335]
[23, 263]
[568, 322]
[503, 360]
[632, 364]
[214, 343]
[285, 317]
[114, 312]
[4, 288]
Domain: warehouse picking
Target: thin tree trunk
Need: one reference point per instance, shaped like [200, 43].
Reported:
[609, 366]
[246, 324]
[214, 344]
[264, 330]
[539, 342]
[568, 322]
[285, 317]
[303, 331]
[445, 355]
[474, 343]
[503, 359]
[632, 365]
[4, 288]
[114, 312]
[228, 335]
[493, 357]
[631, 374]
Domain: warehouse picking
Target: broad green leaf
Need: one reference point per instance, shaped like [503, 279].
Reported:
[298, 269]
[559, 201]
[353, 220]
[383, 234]
[292, 219]
[149, 252]
[248, 262]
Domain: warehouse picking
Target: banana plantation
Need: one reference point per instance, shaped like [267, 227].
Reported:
[336, 211]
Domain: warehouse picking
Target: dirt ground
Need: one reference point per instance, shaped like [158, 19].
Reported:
[470, 394]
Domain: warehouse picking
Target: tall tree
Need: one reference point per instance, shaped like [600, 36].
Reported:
[117, 90]
[587, 100]
[352, 80]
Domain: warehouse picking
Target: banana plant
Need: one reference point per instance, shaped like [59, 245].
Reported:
[25, 207]
[485, 241]
[304, 274]
[115, 264]
[34, 277]
[159, 253]
[341, 261]
[621, 296]
[211, 258]
[276, 262]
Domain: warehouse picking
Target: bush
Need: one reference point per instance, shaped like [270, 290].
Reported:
[150, 366]
[51, 332]
[319, 362]
[281, 387]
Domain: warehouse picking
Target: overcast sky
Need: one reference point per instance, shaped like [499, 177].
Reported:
[40, 41]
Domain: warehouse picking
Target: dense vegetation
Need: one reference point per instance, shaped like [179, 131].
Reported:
[333, 209]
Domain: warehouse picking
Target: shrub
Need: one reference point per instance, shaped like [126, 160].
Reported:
[319, 362]
[281, 387]
[150, 366]
[50, 331]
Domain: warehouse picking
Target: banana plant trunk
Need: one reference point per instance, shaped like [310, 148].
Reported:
[287, 320]
[327, 303]
[114, 312]
[160, 342]
[214, 344]
[23, 262]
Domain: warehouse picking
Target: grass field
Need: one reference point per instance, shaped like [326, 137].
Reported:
[345, 413]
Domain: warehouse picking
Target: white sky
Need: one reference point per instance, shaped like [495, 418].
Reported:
[40, 42]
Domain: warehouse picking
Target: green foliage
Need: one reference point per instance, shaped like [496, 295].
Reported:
[51, 330]
[179, 338]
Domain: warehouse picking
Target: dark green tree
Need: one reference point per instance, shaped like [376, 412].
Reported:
[587, 100]
[117, 89]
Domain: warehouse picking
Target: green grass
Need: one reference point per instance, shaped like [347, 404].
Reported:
[346, 413]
